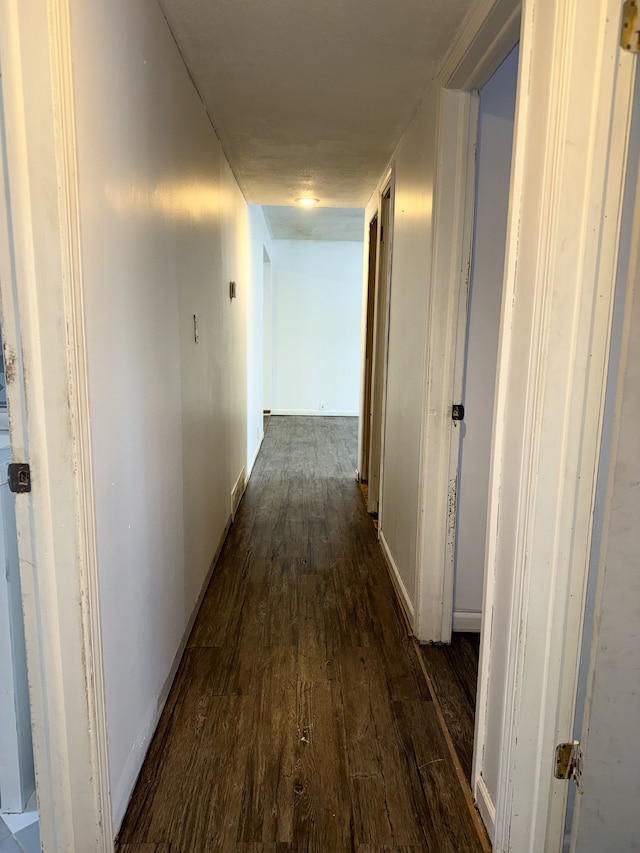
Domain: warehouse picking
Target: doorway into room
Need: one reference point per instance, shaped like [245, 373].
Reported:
[378, 299]
[18, 807]
[267, 336]
[368, 354]
[454, 668]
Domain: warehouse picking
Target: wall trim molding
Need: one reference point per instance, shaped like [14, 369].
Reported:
[142, 743]
[255, 456]
[238, 490]
[397, 581]
[561, 257]
[454, 204]
[488, 34]
[485, 807]
[313, 414]
[467, 620]
[44, 313]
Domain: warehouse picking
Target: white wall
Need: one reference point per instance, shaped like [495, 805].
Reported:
[317, 293]
[257, 311]
[410, 267]
[495, 136]
[164, 228]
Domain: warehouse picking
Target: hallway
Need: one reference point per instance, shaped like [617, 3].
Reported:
[299, 719]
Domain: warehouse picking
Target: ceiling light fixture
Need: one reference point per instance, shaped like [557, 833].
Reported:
[307, 202]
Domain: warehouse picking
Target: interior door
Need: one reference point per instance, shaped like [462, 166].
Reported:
[380, 355]
[368, 357]
[606, 813]
[603, 811]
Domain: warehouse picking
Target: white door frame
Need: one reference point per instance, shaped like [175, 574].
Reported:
[570, 139]
[380, 353]
[45, 356]
[567, 185]
[367, 339]
[486, 40]
[567, 188]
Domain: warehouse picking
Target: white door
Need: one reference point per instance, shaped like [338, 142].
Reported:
[603, 812]
[380, 351]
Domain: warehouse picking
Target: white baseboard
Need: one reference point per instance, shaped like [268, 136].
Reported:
[397, 580]
[467, 620]
[255, 456]
[238, 491]
[485, 807]
[315, 414]
[124, 786]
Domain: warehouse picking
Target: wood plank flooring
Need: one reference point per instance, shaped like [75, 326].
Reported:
[299, 719]
[453, 670]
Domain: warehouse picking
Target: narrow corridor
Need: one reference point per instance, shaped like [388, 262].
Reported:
[299, 719]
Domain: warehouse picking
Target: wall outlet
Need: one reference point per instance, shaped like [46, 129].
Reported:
[323, 406]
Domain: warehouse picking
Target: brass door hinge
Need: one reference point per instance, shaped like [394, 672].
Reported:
[569, 761]
[630, 31]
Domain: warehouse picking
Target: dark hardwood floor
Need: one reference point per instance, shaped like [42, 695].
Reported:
[454, 674]
[299, 719]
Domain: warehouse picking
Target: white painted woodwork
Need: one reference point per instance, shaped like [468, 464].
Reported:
[376, 414]
[396, 578]
[312, 100]
[606, 814]
[367, 338]
[485, 39]
[317, 289]
[627, 242]
[467, 620]
[454, 125]
[572, 120]
[493, 169]
[43, 341]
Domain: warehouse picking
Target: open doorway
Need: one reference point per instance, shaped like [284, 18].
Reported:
[18, 807]
[267, 336]
[367, 383]
[454, 668]
[378, 331]
[497, 102]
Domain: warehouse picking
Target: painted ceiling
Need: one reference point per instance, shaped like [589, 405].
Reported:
[310, 97]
